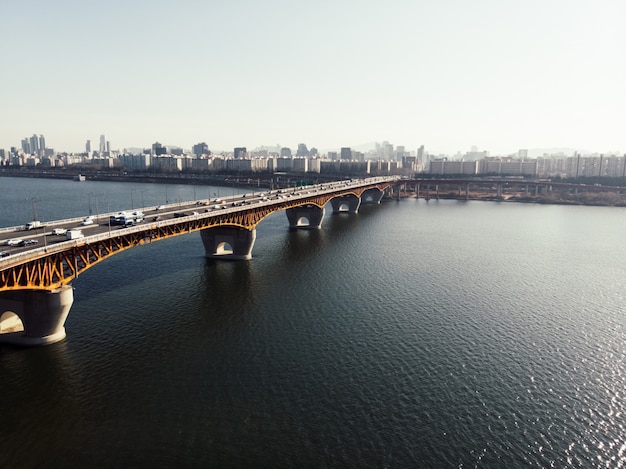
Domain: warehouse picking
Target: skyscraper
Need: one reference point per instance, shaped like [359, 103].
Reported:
[103, 146]
[34, 145]
[240, 152]
[88, 146]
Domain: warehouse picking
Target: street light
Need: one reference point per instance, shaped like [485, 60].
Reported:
[97, 212]
[132, 202]
[89, 197]
[142, 204]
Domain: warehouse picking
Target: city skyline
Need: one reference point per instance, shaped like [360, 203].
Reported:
[447, 75]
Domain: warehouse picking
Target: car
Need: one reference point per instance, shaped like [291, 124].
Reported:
[27, 242]
[59, 231]
[180, 214]
[157, 218]
[160, 207]
[12, 242]
[4, 254]
[87, 221]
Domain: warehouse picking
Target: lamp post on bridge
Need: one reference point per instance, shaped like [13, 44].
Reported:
[142, 204]
[43, 229]
[132, 201]
[95, 196]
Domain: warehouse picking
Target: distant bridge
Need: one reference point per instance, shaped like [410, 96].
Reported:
[35, 291]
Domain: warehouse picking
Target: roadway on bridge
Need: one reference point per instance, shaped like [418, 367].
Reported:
[22, 240]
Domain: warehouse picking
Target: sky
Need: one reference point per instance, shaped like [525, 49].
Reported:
[501, 75]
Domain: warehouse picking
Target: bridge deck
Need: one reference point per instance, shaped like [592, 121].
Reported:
[58, 262]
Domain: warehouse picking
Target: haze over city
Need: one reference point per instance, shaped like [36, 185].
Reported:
[447, 74]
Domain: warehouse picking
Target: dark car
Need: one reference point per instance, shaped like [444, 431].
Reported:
[4, 254]
[180, 214]
[27, 242]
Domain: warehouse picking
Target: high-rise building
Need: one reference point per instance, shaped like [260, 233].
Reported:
[346, 153]
[26, 146]
[240, 152]
[302, 150]
[103, 146]
[88, 146]
[42, 145]
[158, 149]
[34, 145]
[200, 149]
[420, 154]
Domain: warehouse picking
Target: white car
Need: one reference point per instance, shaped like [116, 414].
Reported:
[12, 242]
[59, 231]
[87, 221]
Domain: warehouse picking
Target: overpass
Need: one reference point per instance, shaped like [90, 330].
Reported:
[35, 279]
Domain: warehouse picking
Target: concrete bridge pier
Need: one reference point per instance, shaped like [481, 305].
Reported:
[228, 242]
[346, 204]
[34, 317]
[305, 217]
[372, 196]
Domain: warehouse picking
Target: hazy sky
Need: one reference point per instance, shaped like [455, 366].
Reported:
[448, 74]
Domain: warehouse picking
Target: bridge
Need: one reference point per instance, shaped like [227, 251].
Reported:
[38, 266]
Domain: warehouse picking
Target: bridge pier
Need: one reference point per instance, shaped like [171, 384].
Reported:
[372, 196]
[42, 315]
[307, 217]
[346, 203]
[228, 242]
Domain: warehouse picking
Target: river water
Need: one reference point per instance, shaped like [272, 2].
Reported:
[413, 334]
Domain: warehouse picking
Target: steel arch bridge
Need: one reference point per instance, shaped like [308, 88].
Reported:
[56, 266]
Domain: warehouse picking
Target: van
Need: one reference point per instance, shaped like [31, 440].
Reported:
[74, 234]
[33, 224]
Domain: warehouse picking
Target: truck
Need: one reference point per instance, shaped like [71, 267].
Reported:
[31, 225]
[74, 234]
[126, 219]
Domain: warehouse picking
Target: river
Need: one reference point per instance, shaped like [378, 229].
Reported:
[413, 334]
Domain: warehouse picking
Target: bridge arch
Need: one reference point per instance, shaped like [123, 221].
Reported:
[346, 203]
[10, 322]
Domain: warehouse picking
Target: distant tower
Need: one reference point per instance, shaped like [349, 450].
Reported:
[108, 146]
[42, 145]
[103, 146]
[302, 150]
[420, 154]
[346, 153]
[200, 149]
[240, 152]
[34, 144]
[88, 146]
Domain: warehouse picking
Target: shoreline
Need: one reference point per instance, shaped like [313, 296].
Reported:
[282, 181]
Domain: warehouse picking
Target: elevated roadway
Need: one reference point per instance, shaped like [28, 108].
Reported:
[35, 277]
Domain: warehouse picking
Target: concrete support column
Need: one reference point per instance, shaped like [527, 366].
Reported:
[42, 313]
[499, 189]
[346, 203]
[228, 242]
[371, 196]
[467, 191]
[306, 217]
